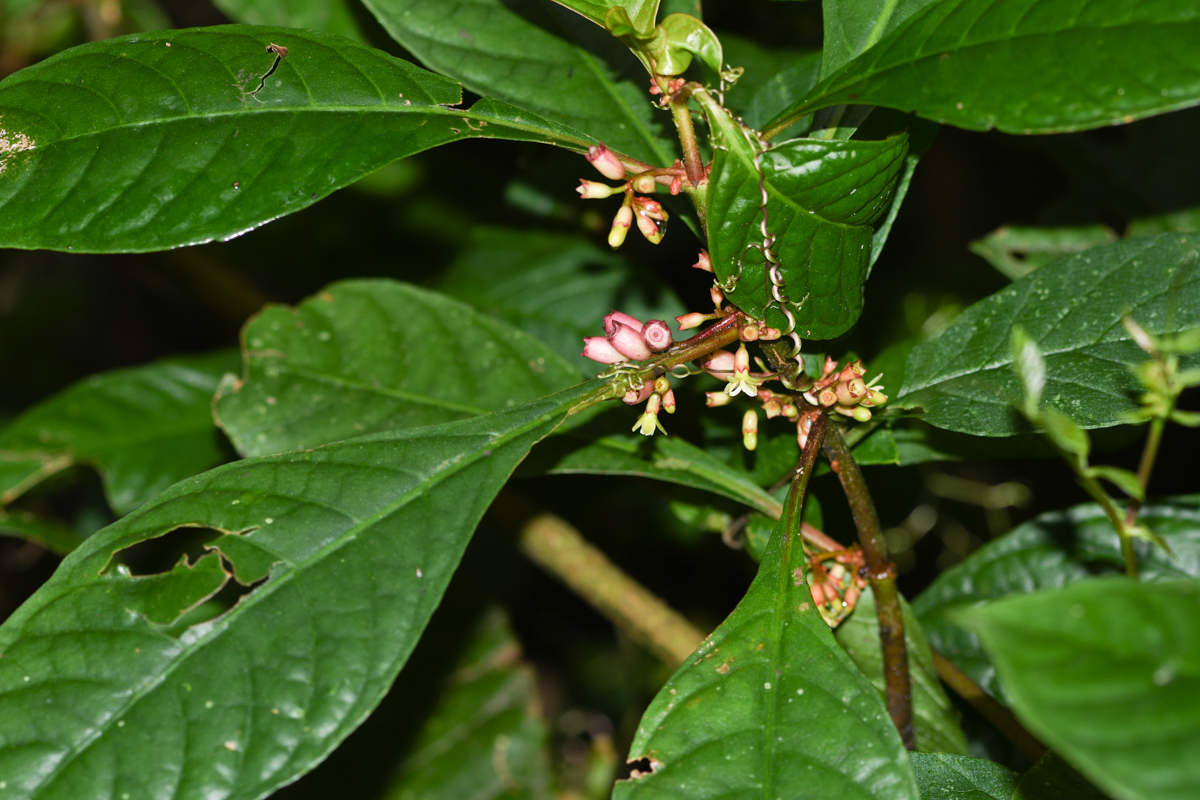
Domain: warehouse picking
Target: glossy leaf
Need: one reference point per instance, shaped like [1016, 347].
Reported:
[769, 706]
[1051, 778]
[935, 720]
[142, 429]
[330, 16]
[539, 56]
[963, 377]
[823, 197]
[163, 139]
[1017, 251]
[641, 12]
[1052, 551]
[347, 550]
[942, 776]
[374, 355]
[852, 26]
[1107, 673]
[555, 288]
[1025, 66]
[486, 739]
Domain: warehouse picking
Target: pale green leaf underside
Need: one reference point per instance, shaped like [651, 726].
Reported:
[1107, 673]
[356, 359]
[1026, 66]
[142, 428]
[356, 542]
[164, 139]
[964, 380]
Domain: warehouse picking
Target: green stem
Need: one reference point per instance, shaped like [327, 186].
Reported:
[882, 576]
[1146, 467]
[1000, 717]
[692, 160]
[1097, 493]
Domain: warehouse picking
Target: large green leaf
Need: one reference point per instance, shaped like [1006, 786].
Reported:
[963, 377]
[54, 536]
[347, 550]
[486, 739]
[1107, 672]
[773, 79]
[539, 56]
[142, 428]
[374, 355]
[1052, 551]
[949, 777]
[164, 139]
[641, 12]
[556, 288]
[770, 706]
[935, 720]
[1025, 66]
[1051, 778]
[852, 26]
[822, 198]
[331, 16]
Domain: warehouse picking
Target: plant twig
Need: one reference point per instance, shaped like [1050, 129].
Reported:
[692, 161]
[1146, 468]
[1000, 717]
[557, 547]
[882, 575]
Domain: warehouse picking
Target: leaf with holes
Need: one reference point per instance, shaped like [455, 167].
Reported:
[1106, 671]
[539, 56]
[769, 704]
[345, 550]
[1051, 551]
[823, 197]
[354, 360]
[1023, 66]
[142, 428]
[163, 139]
[964, 380]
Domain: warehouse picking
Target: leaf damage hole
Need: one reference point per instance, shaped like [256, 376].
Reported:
[244, 81]
[638, 768]
[12, 143]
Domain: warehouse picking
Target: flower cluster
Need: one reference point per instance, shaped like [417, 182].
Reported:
[836, 588]
[649, 215]
[845, 392]
[627, 338]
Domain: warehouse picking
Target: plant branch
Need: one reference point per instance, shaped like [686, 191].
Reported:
[1146, 467]
[1000, 717]
[692, 161]
[882, 576]
[557, 547]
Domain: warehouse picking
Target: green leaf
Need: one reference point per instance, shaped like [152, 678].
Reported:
[142, 429]
[163, 139]
[486, 739]
[54, 536]
[347, 550]
[330, 16]
[963, 377]
[685, 36]
[822, 198]
[935, 720]
[852, 26]
[951, 777]
[1025, 67]
[1107, 673]
[363, 357]
[769, 706]
[1030, 366]
[1123, 479]
[773, 79]
[1051, 551]
[1016, 251]
[555, 288]
[1065, 433]
[541, 57]
[641, 13]
[1051, 778]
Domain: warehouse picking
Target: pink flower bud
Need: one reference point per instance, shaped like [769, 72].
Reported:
[827, 397]
[851, 392]
[748, 333]
[741, 360]
[643, 183]
[676, 184]
[649, 228]
[720, 364]
[620, 226]
[818, 593]
[590, 190]
[876, 398]
[717, 296]
[704, 262]
[606, 162]
[599, 349]
[668, 401]
[662, 385]
[769, 334]
[632, 398]
[717, 399]
[613, 318]
[692, 320]
[772, 408]
[628, 342]
[750, 429]
[657, 335]
[651, 208]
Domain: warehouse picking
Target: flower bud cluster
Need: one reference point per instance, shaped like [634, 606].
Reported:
[647, 213]
[660, 397]
[845, 391]
[835, 589]
[627, 338]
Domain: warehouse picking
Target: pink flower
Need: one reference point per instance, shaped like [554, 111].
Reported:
[591, 190]
[651, 208]
[704, 262]
[628, 342]
[648, 227]
[632, 398]
[720, 364]
[606, 162]
[657, 335]
[717, 399]
[692, 320]
[614, 317]
[668, 401]
[643, 183]
[599, 349]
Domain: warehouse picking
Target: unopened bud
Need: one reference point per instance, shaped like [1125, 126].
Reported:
[614, 318]
[629, 343]
[692, 320]
[662, 385]
[704, 262]
[657, 335]
[651, 208]
[606, 162]
[676, 184]
[720, 363]
[790, 412]
[750, 429]
[620, 227]
[591, 190]
[643, 183]
[851, 392]
[599, 349]
[668, 401]
[877, 398]
[862, 414]
[748, 333]
[717, 295]
[633, 397]
[741, 360]
[827, 397]
[717, 399]
[772, 408]
[649, 227]
[769, 334]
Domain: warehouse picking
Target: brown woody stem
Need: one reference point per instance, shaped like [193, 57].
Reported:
[882, 576]
[1000, 717]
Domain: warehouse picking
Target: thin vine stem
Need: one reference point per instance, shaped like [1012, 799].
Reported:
[1146, 467]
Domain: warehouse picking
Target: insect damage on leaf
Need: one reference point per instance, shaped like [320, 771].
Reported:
[12, 143]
